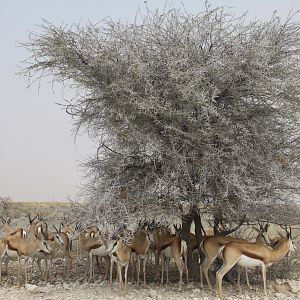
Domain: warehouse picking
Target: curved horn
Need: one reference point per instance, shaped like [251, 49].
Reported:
[32, 219]
[257, 230]
[39, 216]
[55, 228]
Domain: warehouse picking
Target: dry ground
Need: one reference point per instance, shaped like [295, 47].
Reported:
[78, 288]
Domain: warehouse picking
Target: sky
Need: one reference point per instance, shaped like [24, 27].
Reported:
[39, 157]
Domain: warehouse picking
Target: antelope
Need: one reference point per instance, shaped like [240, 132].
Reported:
[162, 238]
[140, 245]
[55, 241]
[67, 233]
[178, 248]
[261, 239]
[212, 247]
[94, 246]
[6, 227]
[247, 254]
[30, 234]
[119, 253]
[25, 248]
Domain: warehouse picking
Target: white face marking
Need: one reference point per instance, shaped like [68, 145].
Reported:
[150, 237]
[249, 262]
[46, 247]
[266, 238]
[59, 239]
[112, 247]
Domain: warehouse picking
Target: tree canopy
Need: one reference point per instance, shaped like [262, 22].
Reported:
[200, 109]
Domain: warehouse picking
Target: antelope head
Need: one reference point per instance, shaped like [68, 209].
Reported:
[31, 220]
[263, 232]
[7, 221]
[57, 236]
[178, 230]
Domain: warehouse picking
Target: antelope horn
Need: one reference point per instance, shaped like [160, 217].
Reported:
[55, 228]
[39, 216]
[255, 229]
[31, 220]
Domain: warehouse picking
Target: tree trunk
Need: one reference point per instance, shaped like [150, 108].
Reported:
[186, 225]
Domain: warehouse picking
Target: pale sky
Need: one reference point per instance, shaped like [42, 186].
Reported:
[39, 159]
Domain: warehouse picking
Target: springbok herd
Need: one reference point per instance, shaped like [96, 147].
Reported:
[37, 243]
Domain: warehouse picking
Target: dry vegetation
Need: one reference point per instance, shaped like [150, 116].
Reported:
[79, 288]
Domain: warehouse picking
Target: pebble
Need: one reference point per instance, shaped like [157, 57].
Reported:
[32, 288]
[152, 294]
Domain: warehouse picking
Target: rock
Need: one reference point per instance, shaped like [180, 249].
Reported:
[66, 286]
[280, 288]
[196, 291]
[32, 288]
[152, 294]
[280, 296]
[293, 286]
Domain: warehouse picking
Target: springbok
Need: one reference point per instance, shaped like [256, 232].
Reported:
[162, 238]
[94, 246]
[55, 241]
[247, 254]
[261, 239]
[177, 248]
[25, 248]
[212, 247]
[34, 228]
[67, 233]
[140, 245]
[120, 253]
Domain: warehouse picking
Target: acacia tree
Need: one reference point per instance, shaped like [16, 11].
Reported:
[195, 109]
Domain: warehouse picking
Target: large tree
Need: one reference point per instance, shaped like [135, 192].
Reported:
[187, 109]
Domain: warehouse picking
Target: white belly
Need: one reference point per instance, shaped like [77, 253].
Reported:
[249, 262]
[12, 254]
[167, 252]
[101, 251]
